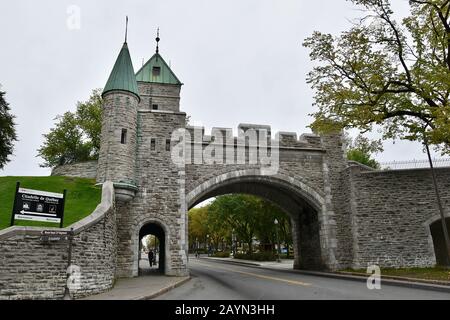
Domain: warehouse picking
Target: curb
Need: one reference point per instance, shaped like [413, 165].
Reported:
[419, 280]
[393, 282]
[163, 290]
[397, 281]
[232, 262]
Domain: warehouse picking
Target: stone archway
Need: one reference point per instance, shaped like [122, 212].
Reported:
[436, 233]
[160, 251]
[159, 229]
[305, 206]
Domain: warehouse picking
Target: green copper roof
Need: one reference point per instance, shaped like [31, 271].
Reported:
[162, 75]
[122, 76]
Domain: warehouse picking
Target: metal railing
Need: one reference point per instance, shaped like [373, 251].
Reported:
[414, 164]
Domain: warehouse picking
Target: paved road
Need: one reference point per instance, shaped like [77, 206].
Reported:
[220, 281]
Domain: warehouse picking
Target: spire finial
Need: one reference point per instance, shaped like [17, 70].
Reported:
[126, 29]
[157, 41]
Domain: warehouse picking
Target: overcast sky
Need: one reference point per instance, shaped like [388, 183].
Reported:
[240, 61]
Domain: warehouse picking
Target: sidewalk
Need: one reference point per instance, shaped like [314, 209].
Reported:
[144, 287]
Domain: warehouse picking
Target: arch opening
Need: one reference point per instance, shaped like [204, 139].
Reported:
[152, 244]
[437, 235]
[302, 210]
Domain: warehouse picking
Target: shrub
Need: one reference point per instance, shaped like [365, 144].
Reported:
[221, 254]
[256, 256]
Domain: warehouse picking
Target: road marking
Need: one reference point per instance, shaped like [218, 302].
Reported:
[300, 283]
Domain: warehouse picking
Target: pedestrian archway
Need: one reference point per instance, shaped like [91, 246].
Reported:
[440, 249]
[157, 245]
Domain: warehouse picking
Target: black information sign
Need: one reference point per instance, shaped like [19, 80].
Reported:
[35, 205]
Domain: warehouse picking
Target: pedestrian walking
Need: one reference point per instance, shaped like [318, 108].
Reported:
[151, 256]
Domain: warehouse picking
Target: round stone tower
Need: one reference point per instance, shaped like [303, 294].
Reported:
[117, 158]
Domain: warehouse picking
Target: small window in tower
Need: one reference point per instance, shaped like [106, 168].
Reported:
[155, 107]
[123, 138]
[156, 71]
[167, 144]
[153, 144]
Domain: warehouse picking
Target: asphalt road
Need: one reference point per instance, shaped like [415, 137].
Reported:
[219, 281]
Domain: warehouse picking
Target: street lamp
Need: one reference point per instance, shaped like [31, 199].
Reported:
[278, 240]
[196, 247]
[233, 243]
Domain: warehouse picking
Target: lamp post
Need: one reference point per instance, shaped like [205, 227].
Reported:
[196, 247]
[233, 243]
[278, 240]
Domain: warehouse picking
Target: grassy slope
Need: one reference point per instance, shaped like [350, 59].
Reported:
[82, 197]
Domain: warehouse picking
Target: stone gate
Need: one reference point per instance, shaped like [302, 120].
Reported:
[161, 168]
[154, 168]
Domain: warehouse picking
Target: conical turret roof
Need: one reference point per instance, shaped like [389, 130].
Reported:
[122, 76]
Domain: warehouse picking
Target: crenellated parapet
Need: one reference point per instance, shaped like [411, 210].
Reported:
[245, 132]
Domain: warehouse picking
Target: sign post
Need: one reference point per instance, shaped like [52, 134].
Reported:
[67, 295]
[15, 203]
[36, 205]
[63, 205]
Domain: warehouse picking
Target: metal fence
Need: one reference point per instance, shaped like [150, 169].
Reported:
[415, 164]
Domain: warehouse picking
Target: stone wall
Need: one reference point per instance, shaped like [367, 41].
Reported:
[86, 169]
[31, 269]
[165, 96]
[391, 214]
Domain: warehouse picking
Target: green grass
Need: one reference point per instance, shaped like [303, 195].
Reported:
[436, 273]
[81, 200]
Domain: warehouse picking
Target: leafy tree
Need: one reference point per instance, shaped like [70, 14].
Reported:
[219, 230]
[386, 73]
[76, 136]
[250, 217]
[198, 228]
[151, 242]
[89, 117]
[64, 144]
[361, 150]
[7, 131]
[239, 212]
[266, 230]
